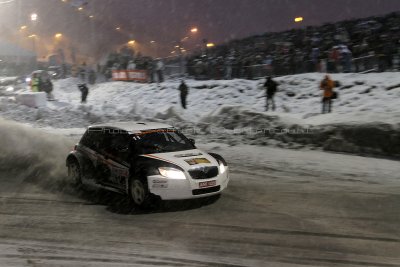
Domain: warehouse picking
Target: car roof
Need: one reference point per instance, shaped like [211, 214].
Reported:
[133, 126]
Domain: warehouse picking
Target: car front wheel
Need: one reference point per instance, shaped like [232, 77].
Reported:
[139, 193]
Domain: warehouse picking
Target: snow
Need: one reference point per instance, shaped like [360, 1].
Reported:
[362, 98]
[229, 109]
[276, 196]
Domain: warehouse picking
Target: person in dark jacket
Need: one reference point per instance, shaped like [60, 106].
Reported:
[84, 92]
[270, 89]
[184, 92]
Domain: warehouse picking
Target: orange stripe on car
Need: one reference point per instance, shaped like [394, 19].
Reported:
[155, 157]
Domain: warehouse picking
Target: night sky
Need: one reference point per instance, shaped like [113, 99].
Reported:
[168, 21]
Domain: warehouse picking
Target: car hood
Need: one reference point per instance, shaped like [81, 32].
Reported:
[186, 159]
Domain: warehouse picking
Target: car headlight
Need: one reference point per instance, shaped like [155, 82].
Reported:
[222, 168]
[172, 173]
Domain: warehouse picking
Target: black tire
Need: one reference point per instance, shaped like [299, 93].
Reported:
[74, 172]
[139, 193]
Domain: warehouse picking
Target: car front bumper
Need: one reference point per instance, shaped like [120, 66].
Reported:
[171, 189]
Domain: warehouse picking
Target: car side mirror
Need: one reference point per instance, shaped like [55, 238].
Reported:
[192, 141]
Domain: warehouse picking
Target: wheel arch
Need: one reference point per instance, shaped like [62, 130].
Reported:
[218, 157]
[71, 158]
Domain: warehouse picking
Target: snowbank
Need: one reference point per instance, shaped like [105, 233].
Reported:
[365, 118]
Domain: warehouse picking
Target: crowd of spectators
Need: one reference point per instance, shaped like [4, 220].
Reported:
[370, 44]
[361, 45]
[126, 59]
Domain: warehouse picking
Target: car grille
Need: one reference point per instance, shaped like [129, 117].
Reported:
[204, 172]
[206, 190]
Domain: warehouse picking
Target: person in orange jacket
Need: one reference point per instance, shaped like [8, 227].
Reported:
[327, 85]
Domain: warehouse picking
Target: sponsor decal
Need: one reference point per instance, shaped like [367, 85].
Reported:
[197, 161]
[160, 186]
[207, 184]
[160, 181]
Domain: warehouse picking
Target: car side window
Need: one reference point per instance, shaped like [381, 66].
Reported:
[116, 144]
[93, 138]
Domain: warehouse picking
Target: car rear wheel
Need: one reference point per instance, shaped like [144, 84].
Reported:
[74, 172]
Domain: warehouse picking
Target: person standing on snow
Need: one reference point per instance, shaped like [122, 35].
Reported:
[159, 70]
[35, 83]
[270, 89]
[82, 82]
[327, 85]
[184, 92]
[84, 92]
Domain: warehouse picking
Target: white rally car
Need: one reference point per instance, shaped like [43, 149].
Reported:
[145, 161]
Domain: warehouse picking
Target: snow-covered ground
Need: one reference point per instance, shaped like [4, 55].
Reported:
[363, 98]
[233, 110]
[282, 207]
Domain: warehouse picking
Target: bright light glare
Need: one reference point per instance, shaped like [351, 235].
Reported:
[193, 30]
[58, 35]
[210, 45]
[34, 17]
[298, 19]
[222, 168]
[23, 27]
[171, 173]
[131, 42]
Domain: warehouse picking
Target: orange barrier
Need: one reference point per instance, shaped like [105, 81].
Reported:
[129, 75]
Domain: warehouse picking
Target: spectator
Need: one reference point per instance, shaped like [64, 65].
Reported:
[327, 85]
[35, 83]
[270, 89]
[84, 92]
[131, 65]
[159, 70]
[184, 92]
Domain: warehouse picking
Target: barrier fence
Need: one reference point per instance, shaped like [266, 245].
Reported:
[130, 75]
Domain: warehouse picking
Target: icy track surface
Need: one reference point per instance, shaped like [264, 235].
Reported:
[282, 208]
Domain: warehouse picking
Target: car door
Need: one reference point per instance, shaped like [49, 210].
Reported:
[89, 147]
[114, 166]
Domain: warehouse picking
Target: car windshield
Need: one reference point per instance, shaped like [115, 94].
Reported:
[161, 141]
